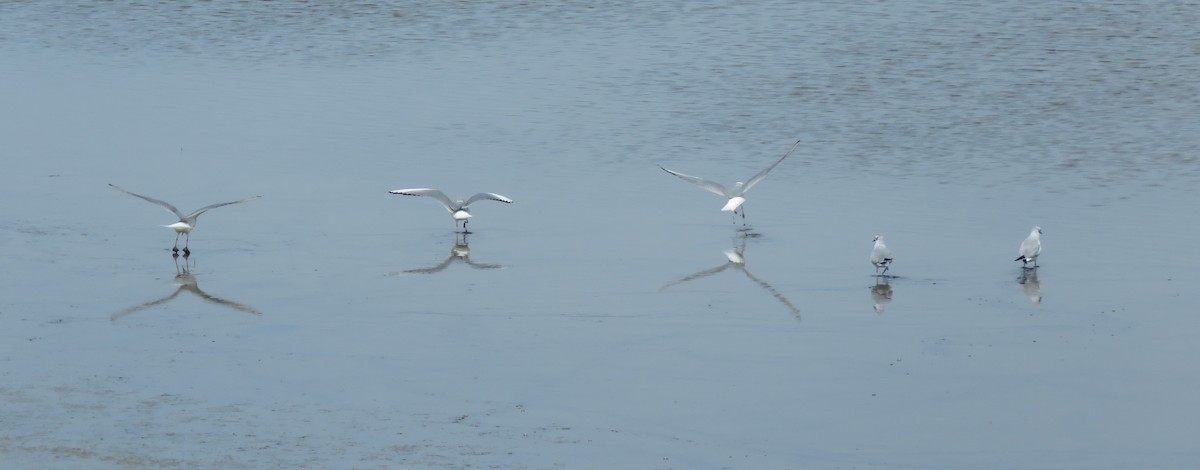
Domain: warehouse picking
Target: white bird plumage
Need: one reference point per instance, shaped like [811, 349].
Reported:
[186, 222]
[739, 189]
[458, 207]
[881, 256]
[1030, 248]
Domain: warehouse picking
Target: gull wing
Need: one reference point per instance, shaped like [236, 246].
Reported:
[881, 254]
[1031, 247]
[201, 210]
[703, 183]
[492, 196]
[433, 193]
[763, 174]
[162, 203]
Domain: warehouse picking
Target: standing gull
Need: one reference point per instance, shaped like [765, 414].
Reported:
[735, 194]
[186, 222]
[1031, 248]
[457, 208]
[881, 256]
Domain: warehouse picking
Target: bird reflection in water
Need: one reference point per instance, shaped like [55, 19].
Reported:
[460, 253]
[1030, 285]
[737, 260]
[881, 293]
[185, 281]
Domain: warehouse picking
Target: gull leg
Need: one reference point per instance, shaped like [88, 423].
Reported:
[465, 231]
[186, 240]
[175, 249]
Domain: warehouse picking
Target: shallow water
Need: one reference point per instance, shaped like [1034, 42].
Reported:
[615, 332]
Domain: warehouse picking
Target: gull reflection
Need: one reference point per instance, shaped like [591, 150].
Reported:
[737, 260]
[1030, 284]
[185, 281]
[881, 294]
[460, 253]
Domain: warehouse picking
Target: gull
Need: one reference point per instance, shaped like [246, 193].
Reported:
[457, 208]
[735, 194]
[881, 256]
[186, 222]
[1031, 248]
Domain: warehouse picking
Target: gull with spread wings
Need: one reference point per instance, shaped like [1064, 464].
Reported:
[734, 194]
[458, 207]
[186, 222]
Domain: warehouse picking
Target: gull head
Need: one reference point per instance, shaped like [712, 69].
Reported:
[878, 238]
[1037, 230]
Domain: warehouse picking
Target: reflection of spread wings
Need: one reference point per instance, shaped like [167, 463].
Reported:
[219, 301]
[480, 265]
[449, 260]
[460, 252]
[773, 292]
[186, 282]
[698, 275]
[740, 267]
[138, 308]
[438, 268]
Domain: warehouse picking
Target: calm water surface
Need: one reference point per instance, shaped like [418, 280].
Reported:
[599, 322]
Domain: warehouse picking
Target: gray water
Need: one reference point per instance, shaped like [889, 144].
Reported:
[599, 322]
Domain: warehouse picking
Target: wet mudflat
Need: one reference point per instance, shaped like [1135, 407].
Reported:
[611, 316]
